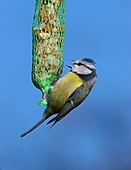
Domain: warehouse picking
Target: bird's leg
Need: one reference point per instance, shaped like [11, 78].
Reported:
[44, 95]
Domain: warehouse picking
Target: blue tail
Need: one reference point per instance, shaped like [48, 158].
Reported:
[34, 127]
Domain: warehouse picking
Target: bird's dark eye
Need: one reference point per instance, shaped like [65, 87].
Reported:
[78, 64]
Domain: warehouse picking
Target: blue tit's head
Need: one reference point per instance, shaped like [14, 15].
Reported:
[84, 66]
[85, 69]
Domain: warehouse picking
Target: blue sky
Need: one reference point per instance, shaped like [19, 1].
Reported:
[97, 134]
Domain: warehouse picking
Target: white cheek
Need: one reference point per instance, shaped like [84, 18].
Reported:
[82, 70]
[88, 71]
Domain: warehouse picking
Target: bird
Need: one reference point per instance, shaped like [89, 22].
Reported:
[69, 91]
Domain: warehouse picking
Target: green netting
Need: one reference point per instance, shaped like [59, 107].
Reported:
[48, 32]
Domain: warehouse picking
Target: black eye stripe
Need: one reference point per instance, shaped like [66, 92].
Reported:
[84, 65]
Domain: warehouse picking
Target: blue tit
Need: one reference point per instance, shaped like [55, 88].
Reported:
[69, 91]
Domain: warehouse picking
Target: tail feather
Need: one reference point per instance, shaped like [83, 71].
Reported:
[34, 127]
[51, 120]
[55, 119]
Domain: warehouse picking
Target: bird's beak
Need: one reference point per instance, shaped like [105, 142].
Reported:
[72, 61]
[69, 66]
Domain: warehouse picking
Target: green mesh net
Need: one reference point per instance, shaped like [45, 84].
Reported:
[48, 32]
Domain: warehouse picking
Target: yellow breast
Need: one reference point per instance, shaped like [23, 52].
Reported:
[62, 90]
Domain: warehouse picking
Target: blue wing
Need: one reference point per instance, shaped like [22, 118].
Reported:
[76, 98]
